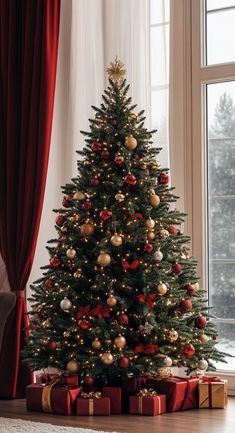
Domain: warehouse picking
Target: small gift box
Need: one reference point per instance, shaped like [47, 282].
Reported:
[213, 392]
[181, 393]
[52, 397]
[147, 402]
[115, 395]
[92, 404]
[67, 379]
[130, 386]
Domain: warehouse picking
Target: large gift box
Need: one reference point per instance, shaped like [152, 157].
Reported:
[147, 402]
[181, 393]
[53, 397]
[92, 404]
[115, 395]
[213, 392]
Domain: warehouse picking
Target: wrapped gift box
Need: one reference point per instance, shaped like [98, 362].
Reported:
[213, 392]
[181, 393]
[52, 398]
[147, 404]
[92, 404]
[130, 386]
[115, 395]
[67, 379]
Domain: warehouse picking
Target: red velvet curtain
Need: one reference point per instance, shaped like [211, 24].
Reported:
[29, 32]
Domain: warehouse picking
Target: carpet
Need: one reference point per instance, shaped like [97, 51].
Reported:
[8, 425]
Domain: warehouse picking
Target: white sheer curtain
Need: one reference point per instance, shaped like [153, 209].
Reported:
[92, 33]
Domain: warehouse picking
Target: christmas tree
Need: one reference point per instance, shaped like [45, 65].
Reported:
[120, 294]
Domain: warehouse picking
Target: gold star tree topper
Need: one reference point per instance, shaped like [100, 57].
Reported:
[116, 71]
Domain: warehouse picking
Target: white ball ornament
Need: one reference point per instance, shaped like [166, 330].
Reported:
[71, 253]
[161, 289]
[158, 256]
[65, 304]
[168, 361]
[203, 364]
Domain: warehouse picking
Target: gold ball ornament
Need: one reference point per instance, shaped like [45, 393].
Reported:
[120, 341]
[154, 200]
[151, 235]
[116, 240]
[71, 253]
[73, 366]
[130, 142]
[164, 234]
[78, 195]
[164, 372]
[87, 229]
[103, 259]
[149, 223]
[161, 289]
[111, 301]
[119, 197]
[107, 358]
[96, 344]
[172, 335]
[204, 338]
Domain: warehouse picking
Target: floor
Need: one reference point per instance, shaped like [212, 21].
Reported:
[195, 421]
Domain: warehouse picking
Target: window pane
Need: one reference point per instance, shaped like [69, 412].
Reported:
[226, 343]
[159, 11]
[220, 35]
[159, 121]
[159, 55]
[217, 4]
[221, 206]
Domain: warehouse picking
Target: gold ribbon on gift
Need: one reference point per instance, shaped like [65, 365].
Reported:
[147, 393]
[46, 394]
[91, 396]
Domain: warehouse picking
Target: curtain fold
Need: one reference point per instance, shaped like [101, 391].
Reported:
[28, 54]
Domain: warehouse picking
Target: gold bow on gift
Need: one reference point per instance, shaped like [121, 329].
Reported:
[46, 393]
[91, 396]
[144, 392]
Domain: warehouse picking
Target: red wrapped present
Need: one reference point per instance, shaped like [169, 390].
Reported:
[147, 402]
[67, 379]
[130, 386]
[115, 395]
[92, 404]
[213, 392]
[181, 393]
[53, 397]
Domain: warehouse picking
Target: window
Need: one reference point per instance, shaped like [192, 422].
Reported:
[159, 79]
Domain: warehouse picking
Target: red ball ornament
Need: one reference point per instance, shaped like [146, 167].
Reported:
[176, 268]
[148, 248]
[123, 319]
[124, 362]
[200, 322]
[172, 230]
[66, 202]
[186, 305]
[94, 181]
[87, 205]
[130, 180]
[55, 262]
[190, 289]
[60, 219]
[49, 283]
[119, 159]
[105, 154]
[96, 146]
[113, 122]
[163, 179]
[189, 350]
[84, 324]
[106, 214]
[89, 381]
[214, 337]
[51, 346]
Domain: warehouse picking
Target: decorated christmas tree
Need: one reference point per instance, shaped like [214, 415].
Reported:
[120, 294]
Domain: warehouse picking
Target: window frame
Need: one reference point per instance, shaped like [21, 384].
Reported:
[189, 76]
